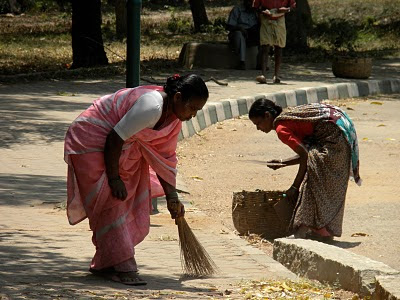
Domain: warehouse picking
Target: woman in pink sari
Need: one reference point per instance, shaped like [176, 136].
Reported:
[121, 152]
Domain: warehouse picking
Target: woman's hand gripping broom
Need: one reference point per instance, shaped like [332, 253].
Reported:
[194, 258]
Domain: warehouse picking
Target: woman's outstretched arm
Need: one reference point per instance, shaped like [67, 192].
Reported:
[112, 153]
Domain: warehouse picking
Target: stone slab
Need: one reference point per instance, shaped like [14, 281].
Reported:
[387, 287]
[327, 263]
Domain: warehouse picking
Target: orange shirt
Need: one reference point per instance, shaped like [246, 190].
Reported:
[292, 133]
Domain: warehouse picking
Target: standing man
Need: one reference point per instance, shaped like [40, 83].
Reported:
[244, 30]
[272, 32]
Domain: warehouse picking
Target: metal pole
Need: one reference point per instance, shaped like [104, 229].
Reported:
[133, 43]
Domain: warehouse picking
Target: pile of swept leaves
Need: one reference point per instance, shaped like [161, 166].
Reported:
[302, 289]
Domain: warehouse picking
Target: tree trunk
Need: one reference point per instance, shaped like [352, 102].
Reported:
[199, 14]
[120, 15]
[87, 42]
[298, 24]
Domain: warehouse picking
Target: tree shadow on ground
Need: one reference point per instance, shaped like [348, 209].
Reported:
[41, 113]
[17, 189]
[36, 269]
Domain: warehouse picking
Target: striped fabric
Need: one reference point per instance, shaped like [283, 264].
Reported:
[117, 225]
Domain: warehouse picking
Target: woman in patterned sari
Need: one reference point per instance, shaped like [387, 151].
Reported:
[325, 141]
[121, 153]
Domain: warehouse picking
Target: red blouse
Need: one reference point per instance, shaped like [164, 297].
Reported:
[292, 133]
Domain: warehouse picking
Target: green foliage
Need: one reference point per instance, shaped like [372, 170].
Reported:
[40, 39]
[216, 27]
[340, 35]
[179, 25]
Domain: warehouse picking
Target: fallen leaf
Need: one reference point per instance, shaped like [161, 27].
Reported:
[381, 125]
[359, 234]
[197, 178]
[390, 139]
[365, 139]
[376, 103]
[349, 108]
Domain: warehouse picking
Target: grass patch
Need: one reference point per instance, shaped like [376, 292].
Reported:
[40, 41]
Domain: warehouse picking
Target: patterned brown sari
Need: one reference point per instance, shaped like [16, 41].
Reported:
[323, 191]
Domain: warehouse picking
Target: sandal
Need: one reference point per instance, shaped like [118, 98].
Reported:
[128, 278]
[276, 79]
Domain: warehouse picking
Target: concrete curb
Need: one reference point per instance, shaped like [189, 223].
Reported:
[387, 287]
[214, 112]
[328, 263]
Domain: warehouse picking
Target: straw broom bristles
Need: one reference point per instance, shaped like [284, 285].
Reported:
[194, 258]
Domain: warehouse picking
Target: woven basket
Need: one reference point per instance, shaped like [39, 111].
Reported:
[253, 212]
[348, 67]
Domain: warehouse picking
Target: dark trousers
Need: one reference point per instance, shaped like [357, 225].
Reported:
[239, 42]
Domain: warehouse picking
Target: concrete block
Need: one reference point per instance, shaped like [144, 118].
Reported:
[395, 83]
[342, 90]
[353, 89]
[201, 119]
[333, 92]
[220, 111]
[312, 96]
[242, 104]
[373, 87]
[185, 130]
[385, 86]
[387, 287]
[190, 127]
[180, 136]
[251, 100]
[234, 108]
[322, 93]
[363, 88]
[227, 109]
[301, 97]
[206, 114]
[194, 55]
[280, 99]
[212, 110]
[290, 98]
[331, 264]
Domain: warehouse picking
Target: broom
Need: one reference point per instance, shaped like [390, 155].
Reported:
[194, 258]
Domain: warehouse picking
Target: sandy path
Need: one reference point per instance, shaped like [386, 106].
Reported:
[221, 158]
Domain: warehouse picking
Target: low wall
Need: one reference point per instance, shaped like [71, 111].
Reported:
[216, 55]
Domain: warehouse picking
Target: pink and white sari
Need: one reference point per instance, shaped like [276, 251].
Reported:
[118, 226]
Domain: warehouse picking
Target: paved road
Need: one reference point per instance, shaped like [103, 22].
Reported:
[42, 256]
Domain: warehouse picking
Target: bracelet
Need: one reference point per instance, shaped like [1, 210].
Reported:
[113, 179]
[297, 189]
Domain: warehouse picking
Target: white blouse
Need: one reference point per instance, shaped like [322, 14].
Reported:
[145, 113]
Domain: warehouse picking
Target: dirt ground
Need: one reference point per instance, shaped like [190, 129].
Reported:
[229, 156]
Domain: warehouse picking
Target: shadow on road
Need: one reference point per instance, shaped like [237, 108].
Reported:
[16, 189]
[37, 269]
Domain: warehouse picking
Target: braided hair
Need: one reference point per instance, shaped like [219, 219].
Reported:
[261, 106]
[190, 85]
